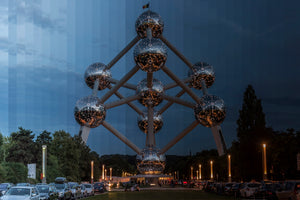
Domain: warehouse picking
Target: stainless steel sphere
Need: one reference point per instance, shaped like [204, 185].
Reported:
[143, 122]
[210, 111]
[150, 20]
[201, 71]
[89, 112]
[150, 162]
[150, 54]
[150, 95]
[97, 71]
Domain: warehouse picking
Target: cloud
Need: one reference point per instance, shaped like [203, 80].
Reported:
[32, 12]
[17, 48]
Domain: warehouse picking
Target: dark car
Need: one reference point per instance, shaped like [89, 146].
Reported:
[99, 187]
[4, 187]
[64, 191]
[75, 189]
[47, 192]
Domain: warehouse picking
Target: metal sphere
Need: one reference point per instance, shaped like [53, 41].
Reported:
[150, 162]
[143, 122]
[97, 71]
[210, 111]
[150, 20]
[150, 54]
[150, 95]
[201, 71]
[89, 112]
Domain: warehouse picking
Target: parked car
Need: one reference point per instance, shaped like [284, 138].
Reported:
[64, 191]
[89, 188]
[290, 191]
[47, 192]
[21, 193]
[235, 189]
[23, 184]
[83, 191]
[99, 187]
[267, 191]
[228, 188]
[75, 189]
[250, 189]
[4, 187]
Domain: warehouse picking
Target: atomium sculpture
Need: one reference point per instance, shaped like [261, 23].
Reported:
[150, 55]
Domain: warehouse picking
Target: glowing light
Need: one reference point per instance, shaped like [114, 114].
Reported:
[229, 166]
[200, 174]
[92, 170]
[211, 170]
[265, 173]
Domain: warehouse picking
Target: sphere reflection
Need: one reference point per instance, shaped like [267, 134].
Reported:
[97, 71]
[150, 161]
[210, 111]
[201, 71]
[143, 122]
[150, 20]
[89, 112]
[152, 95]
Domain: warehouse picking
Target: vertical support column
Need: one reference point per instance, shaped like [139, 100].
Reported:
[44, 164]
[103, 172]
[95, 88]
[110, 174]
[211, 170]
[150, 134]
[200, 172]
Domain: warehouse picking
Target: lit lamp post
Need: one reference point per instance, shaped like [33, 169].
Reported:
[192, 175]
[197, 174]
[265, 173]
[110, 174]
[200, 174]
[229, 168]
[175, 176]
[92, 171]
[103, 172]
[211, 170]
[44, 152]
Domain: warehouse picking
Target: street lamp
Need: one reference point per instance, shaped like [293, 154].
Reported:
[265, 173]
[110, 174]
[92, 171]
[103, 172]
[44, 160]
[229, 168]
[200, 174]
[211, 170]
[197, 174]
[192, 175]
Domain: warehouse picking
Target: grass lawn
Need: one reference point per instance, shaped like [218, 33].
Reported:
[158, 195]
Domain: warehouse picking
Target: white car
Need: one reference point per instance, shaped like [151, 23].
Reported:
[250, 189]
[89, 188]
[22, 193]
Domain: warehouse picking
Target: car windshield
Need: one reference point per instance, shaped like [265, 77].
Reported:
[60, 186]
[73, 185]
[18, 191]
[43, 189]
[3, 186]
[88, 186]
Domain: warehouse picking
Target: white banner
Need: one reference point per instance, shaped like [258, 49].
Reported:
[31, 170]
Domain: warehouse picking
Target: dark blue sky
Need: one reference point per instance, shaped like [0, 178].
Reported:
[45, 47]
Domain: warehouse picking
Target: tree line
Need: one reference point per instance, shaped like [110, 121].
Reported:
[70, 157]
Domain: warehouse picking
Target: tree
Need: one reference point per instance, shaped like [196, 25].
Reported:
[23, 149]
[15, 172]
[251, 132]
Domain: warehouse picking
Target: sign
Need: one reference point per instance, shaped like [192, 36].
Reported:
[31, 170]
[298, 161]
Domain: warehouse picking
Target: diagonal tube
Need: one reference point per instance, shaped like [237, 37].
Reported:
[125, 85]
[181, 84]
[119, 84]
[123, 52]
[134, 107]
[121, 137]
[179, 137]
[121, 101]
[218, 136]
[163, 109]
[172, 85]
[188, 63]
[179, 101]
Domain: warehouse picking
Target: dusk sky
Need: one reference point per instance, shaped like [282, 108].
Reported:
[46, 46]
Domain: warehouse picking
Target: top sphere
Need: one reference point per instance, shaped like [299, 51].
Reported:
[201, 71]
[150, 20]
[97, 71]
